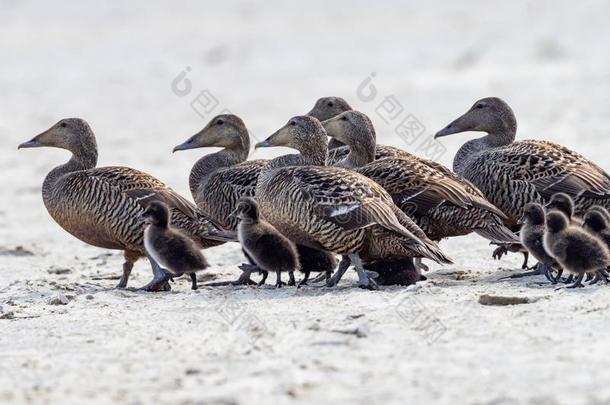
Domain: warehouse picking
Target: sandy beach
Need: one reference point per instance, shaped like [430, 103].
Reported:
[147, 75]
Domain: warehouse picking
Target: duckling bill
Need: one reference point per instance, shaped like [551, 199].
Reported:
[263, 243]
[168, 247]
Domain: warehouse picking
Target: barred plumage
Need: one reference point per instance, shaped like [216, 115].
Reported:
[441, 203]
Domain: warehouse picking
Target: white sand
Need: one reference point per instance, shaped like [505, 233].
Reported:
[435, 343]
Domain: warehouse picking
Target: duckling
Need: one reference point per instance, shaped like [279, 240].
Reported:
[575, 249]
[532, 235]
[100, 206]
[173, 250]
[597, 222]
[395, 271]
[564, 203]
[265, 245]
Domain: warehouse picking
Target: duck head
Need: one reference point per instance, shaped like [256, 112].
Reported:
[561, 202]
[156, 213]
[72, 134]
[491, 115]
[302, 133]
[246, 210]
[533, 214]
[224, 131]
[595, 220]
[350, 127]
[556, 221]
[328, 107]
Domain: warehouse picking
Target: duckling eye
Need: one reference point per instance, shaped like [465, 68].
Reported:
[219, 122]
[330, 104]
[293, 123]
[63, 125]
[480, 106]
[344, 118]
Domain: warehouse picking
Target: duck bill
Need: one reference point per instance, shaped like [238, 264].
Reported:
[461, 124]
[332, 126]
[38, 141]
[281, 137]
[186, 145]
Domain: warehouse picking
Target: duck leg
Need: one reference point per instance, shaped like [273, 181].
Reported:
[343, 266]
[130, 259]
[538, 270]
[365, 281]
[322, 277]
[577, 282]
[160, 281]
[264, 279]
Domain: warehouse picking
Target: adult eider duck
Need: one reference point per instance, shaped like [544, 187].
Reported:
[101, 206]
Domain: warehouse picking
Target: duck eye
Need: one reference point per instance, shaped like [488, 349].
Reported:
[480, 106]
[344, 118]
[330, 104]
[293, 123]
[63, 125]
[219, 122]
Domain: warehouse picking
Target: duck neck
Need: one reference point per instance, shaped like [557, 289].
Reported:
[80, 160]
[472, 148]
[361, 152]
[210, 164]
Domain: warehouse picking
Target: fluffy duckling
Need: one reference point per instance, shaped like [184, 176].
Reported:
[532, 235]
[597, 221]
[167, 246]
[575, 249]
[263, 244]
[564, 203]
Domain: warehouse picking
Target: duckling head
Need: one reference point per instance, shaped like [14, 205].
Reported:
[156, 213]
[491, 115]
[328, 107]
[224, 131]
[72, 134]
[556, 221]
[246, 210]
[533, 214]
[561, 202]
[595, 220]
[350, 127]
[303, 133]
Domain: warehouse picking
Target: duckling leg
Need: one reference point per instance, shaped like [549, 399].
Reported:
[160, 281]
[322, 277]
[304, 280]
[538, 270]
[278, 279]
[578, 282]
[264, 279]
[343, 266]
[365, 281]
[526, 256]
[291, 280]
[600, 276]
[193, 281]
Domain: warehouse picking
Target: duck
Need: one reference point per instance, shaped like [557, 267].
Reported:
[332, 208]
[513, 173]
[101, 206]
[172, 249]
[575, 249]
[217, 181]
[265, 245]
[440, 205]
[532, 238]
[564, 203]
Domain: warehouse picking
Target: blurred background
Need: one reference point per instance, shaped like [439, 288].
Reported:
[146, 75]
